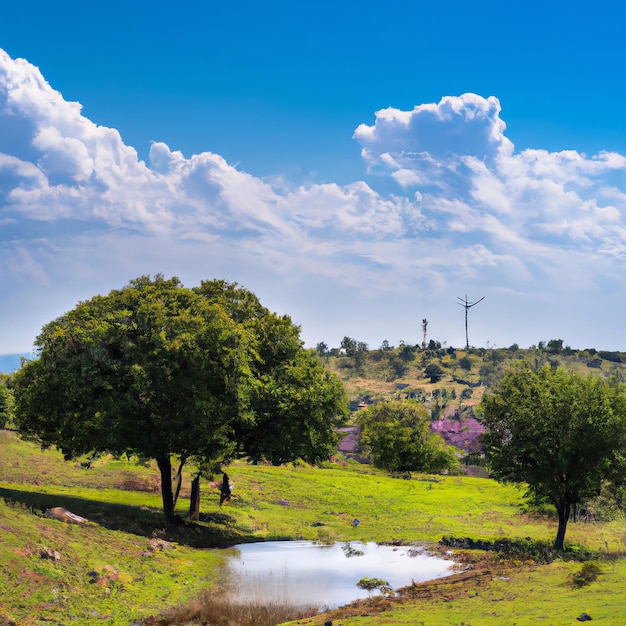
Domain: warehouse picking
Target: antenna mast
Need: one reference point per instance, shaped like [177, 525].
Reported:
[467, 306]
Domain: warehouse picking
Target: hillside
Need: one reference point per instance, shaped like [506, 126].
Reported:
[464, 374]
[125, 564]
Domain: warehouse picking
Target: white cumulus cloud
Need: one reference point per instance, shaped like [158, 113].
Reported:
[466, 211]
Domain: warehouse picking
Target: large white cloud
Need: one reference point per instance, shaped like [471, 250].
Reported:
[471, 181]
[467, 211]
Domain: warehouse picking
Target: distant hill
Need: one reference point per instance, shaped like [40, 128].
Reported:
[450, 382]
[460, 376]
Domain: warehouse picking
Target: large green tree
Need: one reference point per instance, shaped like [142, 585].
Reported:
[157, 370]
[398, 438]
[562, 434]
[152, 369]
[297, 403]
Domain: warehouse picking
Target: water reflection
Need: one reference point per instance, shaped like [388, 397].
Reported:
[325, 576]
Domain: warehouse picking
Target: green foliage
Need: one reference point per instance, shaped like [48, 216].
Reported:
[350, 552]
[587, 574]
[298, 405]
[520, 549]
[407, 352]
[465, 363]
[397, 436]
[7, 402]
[155, 369]
[434, 372]
[562, 434]
[615, 357]
[322, 349]
[296, 402]
[555, 346]
[348, 345]
[371, 584]
[357, 350]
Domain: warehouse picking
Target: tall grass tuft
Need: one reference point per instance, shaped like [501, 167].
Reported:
[587, 574]
[217, 608]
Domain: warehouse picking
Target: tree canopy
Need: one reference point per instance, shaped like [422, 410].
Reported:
[434, 372]
[6, 401]
[562, 434]
[159, 370]
[297, 403]
[398, 438]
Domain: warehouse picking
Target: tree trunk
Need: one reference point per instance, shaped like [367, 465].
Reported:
[194, 504]
[179, 478]
[165, 467]
[563, 509]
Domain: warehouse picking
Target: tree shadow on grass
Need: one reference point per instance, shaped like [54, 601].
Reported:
[217, 530]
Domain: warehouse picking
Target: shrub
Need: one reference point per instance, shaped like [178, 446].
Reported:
[398, 438]
[587, 574]
[371, 584]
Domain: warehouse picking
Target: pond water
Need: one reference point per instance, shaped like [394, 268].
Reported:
[325, 576]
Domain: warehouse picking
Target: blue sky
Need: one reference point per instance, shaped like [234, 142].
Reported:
[359, 166]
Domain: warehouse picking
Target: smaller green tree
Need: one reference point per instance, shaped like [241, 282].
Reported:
[322, 349]
[465, 363]
[357, 350]
[467, 393]
[407, 352]
[360, 355]
[434, 372]
[348, 345]
[562, 434]
[397, 436]
[555, 346]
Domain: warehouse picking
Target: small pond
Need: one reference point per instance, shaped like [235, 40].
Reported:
[325, 576]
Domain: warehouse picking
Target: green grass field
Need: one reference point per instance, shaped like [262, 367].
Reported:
[126, 565]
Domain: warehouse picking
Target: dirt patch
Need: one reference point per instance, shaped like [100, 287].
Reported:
[131, 482]
[478, 571]
[355, 385]
[452, 586]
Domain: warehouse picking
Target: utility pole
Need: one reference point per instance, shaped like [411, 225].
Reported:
[467, 306]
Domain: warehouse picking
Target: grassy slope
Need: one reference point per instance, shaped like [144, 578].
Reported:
[528, 596]
[138, 576]
[103, 575]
